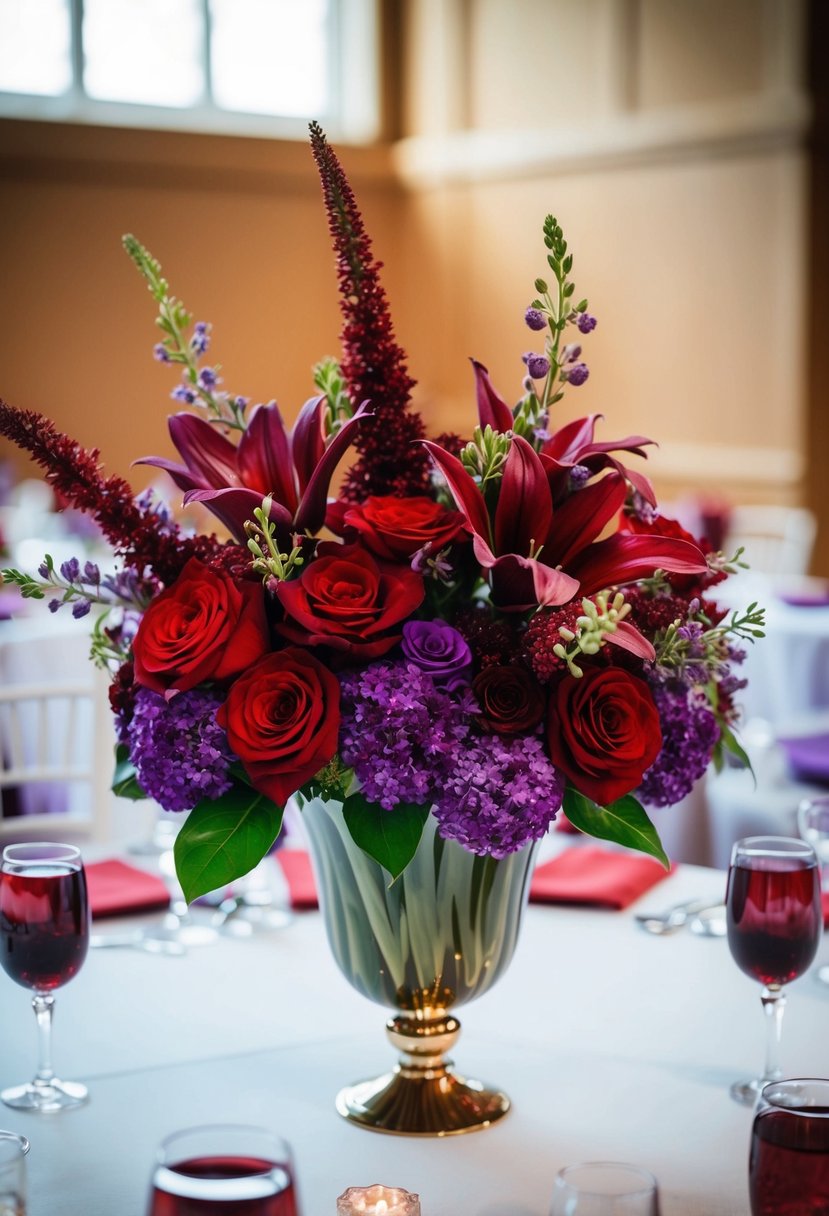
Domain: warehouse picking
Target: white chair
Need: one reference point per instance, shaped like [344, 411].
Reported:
[776, 540]
[56, 753]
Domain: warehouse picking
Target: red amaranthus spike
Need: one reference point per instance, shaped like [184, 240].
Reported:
[75, 473]
[374, 366]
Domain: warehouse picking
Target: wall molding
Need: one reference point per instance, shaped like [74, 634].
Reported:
[762, 124]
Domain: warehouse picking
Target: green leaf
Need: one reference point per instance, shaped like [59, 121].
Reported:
[730, 743]
[223, 839]
[124, 781]
[389, 837]
[624, 822]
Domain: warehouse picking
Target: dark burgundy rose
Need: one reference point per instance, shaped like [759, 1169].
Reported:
[603, 732]
[204, 627]
[511, 699]
[396, 528]
[347, 599]
[282, 719]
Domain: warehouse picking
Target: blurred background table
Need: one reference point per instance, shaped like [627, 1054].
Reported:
[611, 1043]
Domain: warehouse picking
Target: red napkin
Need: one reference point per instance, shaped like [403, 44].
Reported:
[116, 889]
[596, 877]
[296, 866]
[825, 898]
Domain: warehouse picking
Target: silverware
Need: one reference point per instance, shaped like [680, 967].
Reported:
[710, 922]
[137, 941]
[673, 918]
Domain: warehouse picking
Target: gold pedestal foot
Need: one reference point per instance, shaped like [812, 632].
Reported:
[422, 1096]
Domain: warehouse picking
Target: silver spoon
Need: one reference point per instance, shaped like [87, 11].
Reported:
[673, 918]
[137, 941]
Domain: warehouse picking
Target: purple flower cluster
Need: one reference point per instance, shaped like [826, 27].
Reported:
[689, 732]
[400, 733]
[499, 795]
[180, 752]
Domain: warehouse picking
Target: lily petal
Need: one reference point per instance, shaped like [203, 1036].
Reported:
[525, 507]
[622, 558]
[522, 583]
[628, 637]
[469, 499]
[182, 476]
[264, 457]
[208, 455]
[234, 506]
[310, 514]
[564, 445]
[492, 410]
[582, 516]
[307, 440]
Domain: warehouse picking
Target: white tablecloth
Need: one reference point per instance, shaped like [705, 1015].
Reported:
[611, 1043]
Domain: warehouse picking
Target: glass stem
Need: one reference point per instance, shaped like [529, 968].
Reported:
[774, 1002]
[43, 1005]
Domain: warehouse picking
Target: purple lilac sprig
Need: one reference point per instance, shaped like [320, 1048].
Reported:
[499, 794]
[400, 733]
[690, 732]
[181, 754]
[199, 384]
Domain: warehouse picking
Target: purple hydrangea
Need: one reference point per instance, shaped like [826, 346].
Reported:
[400, 733]
[180, 752]
[499, 794]
[438, 649]
[689, 733]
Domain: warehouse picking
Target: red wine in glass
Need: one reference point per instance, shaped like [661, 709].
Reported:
[239, 1186]
[788, 1169]
[775, 921]
[228, 1170]
[44, 937]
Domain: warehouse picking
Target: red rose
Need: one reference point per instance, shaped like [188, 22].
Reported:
[282, 719]
[511, 700]
[348, 600]
[603, 731]
[395, 528]
[204, 627]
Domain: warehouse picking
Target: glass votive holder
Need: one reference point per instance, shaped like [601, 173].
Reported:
[13, 1150]
[604, 1188]
[377, 1200]
[788, 1168]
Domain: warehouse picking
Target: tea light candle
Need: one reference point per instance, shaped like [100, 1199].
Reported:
[377, 1200]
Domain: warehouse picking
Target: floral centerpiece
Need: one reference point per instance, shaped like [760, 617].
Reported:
[481, 631]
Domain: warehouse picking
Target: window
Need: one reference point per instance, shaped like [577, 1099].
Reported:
[256, 67]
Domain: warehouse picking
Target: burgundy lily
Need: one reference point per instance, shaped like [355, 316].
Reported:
[295, 468]
[530, 539]
[573, 444]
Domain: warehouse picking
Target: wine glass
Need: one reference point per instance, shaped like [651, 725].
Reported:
[604, 1188]
[813, 824]
[230, 1169]
[13, 1150]
[44, 937]
[774, 918]
[788, 1168]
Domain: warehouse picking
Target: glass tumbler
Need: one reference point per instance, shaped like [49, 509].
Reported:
[604, 1188]
[788, 1168]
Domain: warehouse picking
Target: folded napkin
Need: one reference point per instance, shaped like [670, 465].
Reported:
[116, 889]
[596, 877]
[808, 756]
[296, 866]
[811, 597]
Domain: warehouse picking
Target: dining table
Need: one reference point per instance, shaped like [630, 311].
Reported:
[612, 1043]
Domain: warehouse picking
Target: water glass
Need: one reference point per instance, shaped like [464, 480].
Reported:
[13, 1150]
[788, 1165]
[605, 1188]
[229, 1169]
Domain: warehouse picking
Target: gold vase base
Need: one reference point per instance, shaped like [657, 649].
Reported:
[422, 1096]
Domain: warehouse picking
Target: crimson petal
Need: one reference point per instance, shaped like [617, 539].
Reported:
[264, 457]
[182, 476]
[525, 507]
[622, 558]
[207, 454]
[564, 445]
[582, 516]
[522, 583]
[234, 506]
[310, 514]
[628, 637]
[469, 499]
[492, 410]
[307, 440]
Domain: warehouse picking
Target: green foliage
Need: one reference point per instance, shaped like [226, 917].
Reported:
[389, 837]
[124, 780]
[223, 839]
[624, 822]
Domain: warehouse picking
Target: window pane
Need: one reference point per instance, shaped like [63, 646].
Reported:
[35, 42]
[270, 56]
[144, 51]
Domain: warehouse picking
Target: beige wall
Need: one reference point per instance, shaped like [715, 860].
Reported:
[668, 136]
